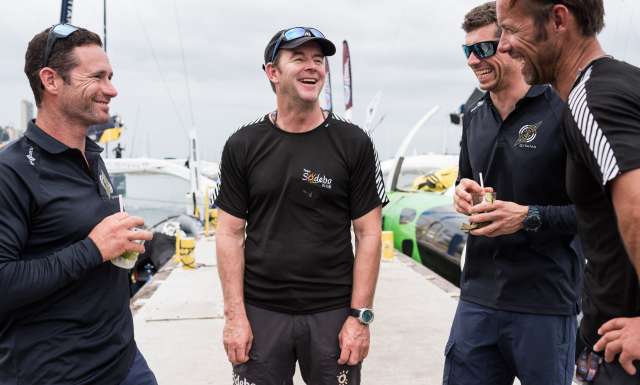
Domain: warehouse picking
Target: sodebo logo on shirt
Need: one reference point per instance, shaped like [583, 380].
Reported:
[241, 381]
[313, 177]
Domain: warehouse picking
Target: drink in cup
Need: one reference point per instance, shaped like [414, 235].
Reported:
[128, 259]
[477, 198]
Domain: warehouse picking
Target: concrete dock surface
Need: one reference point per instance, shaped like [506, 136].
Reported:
[178, 319]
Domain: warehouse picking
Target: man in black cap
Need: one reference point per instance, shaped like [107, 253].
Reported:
[295, 180]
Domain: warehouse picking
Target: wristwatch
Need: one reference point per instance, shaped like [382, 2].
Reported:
[364, 315]
[533, 220]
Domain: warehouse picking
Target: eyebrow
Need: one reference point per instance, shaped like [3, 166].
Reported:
[101, 73]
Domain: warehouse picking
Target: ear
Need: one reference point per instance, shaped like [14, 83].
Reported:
[560, 17]
[50, 80]
[272, 73]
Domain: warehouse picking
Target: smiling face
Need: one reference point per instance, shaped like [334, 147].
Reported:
[523, 39]
[300, 73]
[85, 97]
[493, 72]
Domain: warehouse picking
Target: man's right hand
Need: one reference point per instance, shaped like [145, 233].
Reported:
[114, 235]
[462, 199]
[237, 338]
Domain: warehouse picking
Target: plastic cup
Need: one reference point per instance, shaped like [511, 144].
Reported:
[128, 259]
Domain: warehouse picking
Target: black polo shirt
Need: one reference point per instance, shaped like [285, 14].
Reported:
[64, 314]
[523, 159]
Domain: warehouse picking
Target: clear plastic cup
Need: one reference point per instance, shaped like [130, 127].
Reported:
[128, 259]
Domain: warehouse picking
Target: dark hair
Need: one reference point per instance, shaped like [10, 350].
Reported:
[481, 16]
[589, 14]
[61, 59]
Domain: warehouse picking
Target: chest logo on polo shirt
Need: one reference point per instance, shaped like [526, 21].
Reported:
[526, 135]
[30, 157]
[315, 178]
[106, 183]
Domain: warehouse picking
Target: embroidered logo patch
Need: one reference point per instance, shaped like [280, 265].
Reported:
[106, 183]
[526, 135]
[30, 157]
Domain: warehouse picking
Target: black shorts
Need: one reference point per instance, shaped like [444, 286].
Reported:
[614, 374]
[280, 339]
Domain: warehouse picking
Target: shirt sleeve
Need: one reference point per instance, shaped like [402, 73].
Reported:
[232, 193]
[608, 118]
[366, 184]
[26, 281]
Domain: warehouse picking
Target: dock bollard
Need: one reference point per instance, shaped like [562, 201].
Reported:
[388, 253]
[185, 248]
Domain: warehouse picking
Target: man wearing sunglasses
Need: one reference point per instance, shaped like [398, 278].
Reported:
[519, 287]
[294, 182]
[557, 40]
[64, 307]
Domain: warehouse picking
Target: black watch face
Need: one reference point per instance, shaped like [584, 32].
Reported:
[367, 316]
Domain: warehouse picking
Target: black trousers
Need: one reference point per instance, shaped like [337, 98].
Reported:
[279, 340]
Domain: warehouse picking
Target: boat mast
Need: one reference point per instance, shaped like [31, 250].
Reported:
[104, 23]
[65, 11]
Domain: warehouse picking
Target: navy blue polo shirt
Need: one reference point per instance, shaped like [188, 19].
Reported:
[64, 314]
[523, 159]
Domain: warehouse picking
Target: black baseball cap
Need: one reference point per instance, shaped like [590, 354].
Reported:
[295, 37]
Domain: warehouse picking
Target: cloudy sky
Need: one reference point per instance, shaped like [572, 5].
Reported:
[408, 49]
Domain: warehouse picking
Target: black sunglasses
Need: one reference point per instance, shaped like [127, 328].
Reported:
[58, 31]
[292, 34]
[483, 49]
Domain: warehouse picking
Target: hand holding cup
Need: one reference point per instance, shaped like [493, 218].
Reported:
[118, 234]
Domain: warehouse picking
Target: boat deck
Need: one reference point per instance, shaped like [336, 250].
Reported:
[178, 320]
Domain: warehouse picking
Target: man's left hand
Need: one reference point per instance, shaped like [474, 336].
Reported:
[354, 342]
[505, 217]
[620, 336]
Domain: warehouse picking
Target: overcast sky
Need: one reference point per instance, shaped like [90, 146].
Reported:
[408, 49]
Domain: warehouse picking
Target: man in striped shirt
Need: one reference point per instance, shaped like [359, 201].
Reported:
[557, 41]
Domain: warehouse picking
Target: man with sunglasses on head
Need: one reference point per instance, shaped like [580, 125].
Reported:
[294, 181]
[64, 307]
[519, 287]
[558, 42]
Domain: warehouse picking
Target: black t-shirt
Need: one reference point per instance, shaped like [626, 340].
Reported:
[64, 314]
[298, 194]
[602, 135]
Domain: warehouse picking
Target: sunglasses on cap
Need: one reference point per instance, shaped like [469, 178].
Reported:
[483, 49]
[293, 34]
[58, 31]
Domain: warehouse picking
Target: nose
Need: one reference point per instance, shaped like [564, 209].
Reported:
[473, 60]
[110, 89]
[504, 45]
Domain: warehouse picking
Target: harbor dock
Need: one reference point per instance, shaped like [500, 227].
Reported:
[178, 319]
